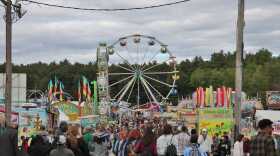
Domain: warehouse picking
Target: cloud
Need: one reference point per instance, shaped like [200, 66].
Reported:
[195, 28]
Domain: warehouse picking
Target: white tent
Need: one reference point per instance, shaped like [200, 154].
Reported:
[273, 115]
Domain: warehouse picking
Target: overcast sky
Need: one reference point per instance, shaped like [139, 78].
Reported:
[195, 28]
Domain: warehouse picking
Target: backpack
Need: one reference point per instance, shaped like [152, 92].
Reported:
[171, 149]
[194, 151]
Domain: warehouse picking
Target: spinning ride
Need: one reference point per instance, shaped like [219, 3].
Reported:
[142, 71]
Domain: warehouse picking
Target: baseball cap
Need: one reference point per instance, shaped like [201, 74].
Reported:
[61, 140]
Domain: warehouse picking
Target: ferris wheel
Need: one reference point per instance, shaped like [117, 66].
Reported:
[142, 70]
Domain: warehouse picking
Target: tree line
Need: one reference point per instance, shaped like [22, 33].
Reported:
[261, 72]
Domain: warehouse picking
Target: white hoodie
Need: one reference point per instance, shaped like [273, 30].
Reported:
[205, 144]
[238, 149]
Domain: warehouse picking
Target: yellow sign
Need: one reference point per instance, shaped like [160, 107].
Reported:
[216, 120]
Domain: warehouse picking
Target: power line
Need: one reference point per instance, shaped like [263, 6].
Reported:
[106, 9]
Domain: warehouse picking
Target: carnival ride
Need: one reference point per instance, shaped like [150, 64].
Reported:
[36, 96]
[142, 70]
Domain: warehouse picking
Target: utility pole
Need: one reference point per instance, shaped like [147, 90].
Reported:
[8, 87]
[239, 59]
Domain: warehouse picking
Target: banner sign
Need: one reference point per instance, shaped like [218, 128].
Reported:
[69, 109]
[188, 116]
[30, 122]
[14, 116]
[216, 120]
[66, 107]
[91, 120]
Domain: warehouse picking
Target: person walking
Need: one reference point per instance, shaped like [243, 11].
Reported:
[215, 145]
[76, 143]
[87, 136]
[39, 146]
[147, 144]
[8, 139]
[133, 139]
[164, 140]
[181, 140]
[51, 136]
[101, 143]
[205, 142]
[193, 149]
[98, 147]
[63, 128]
[121, 147]
[61, 149]
[263, 143]
[224, 146]
[246, 146]
[238, 146]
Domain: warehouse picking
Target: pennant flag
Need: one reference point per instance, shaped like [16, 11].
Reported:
[61, 91]
[79, 92]
[88, 92]
[55, 84]
[50, 88]
[211, 96]
[207, 97]
[223, 96]
[218, 97]
[229, 90]
[85, 82]
[202, 97]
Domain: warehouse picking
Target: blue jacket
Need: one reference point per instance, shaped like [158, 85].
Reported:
[188, 150]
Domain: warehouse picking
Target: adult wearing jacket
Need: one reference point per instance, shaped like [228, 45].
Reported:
[61, 149]
[76, 143]
[238, 146]
[205, 142]
[225, 147]
[8, 139]
[39, 147]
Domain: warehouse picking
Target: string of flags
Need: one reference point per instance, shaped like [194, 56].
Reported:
[53, 87]
[84, 91]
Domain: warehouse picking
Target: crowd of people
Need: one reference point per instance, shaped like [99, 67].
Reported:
[138, 138]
